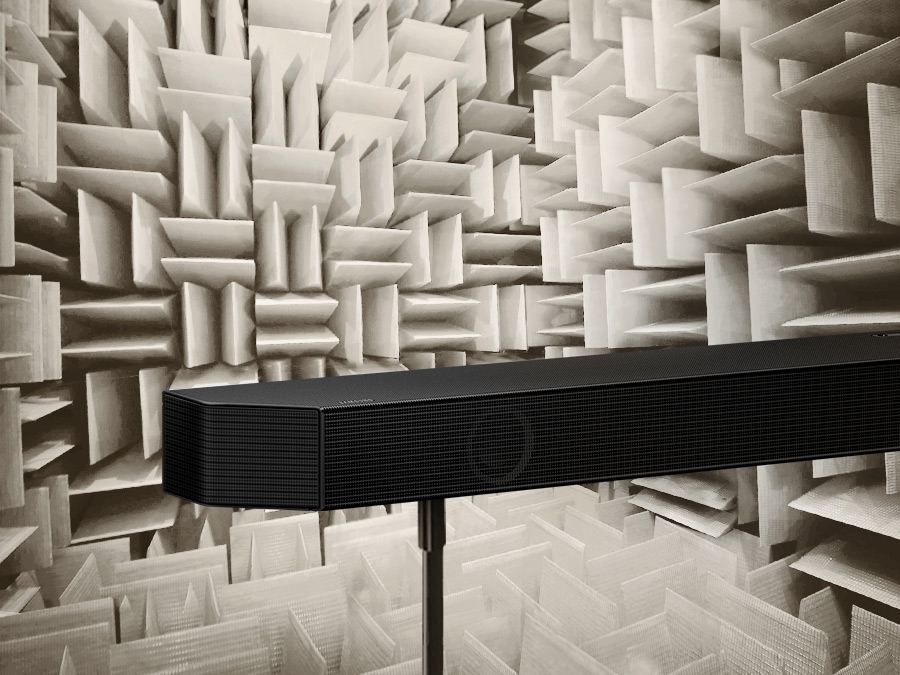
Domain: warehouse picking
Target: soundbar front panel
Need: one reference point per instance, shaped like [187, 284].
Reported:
[404, 452]
[360, 440]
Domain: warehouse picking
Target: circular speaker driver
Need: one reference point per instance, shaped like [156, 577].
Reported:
[499, 446]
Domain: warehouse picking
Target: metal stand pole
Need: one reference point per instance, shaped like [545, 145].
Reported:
[432, 536]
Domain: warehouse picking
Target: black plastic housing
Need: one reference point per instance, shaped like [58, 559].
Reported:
[405, 436]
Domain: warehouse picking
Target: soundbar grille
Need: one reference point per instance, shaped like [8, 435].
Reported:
[463, 446]
[238, 456]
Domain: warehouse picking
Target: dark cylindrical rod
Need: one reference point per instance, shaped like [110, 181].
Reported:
[432, 536]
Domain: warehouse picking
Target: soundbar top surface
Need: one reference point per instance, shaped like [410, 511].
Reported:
[550, 374]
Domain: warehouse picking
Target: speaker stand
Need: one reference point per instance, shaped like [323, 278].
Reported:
[432, 536]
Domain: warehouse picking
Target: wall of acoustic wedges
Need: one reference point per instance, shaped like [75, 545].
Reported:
[200, 192]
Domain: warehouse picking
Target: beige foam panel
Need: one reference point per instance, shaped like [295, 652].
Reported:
[705, 489]
[7, 212]
[13, 488]
[544, 651]
[868, 631]
[469, 520]
[278, 541]
[743, 655]
[404, 626]
[693, 631]
[822, 610]
[496, 634]
[164, 565]
[344, 542]
[583, 613]
[837, 465]
[750, 551]
[366, 645]
[477, 659]
[565, 550]
[695, 516]
[168, 595]
[511, 601]
[88, 647]
[21, 330]
[708, 665]
[696, 632]
[67, 561]
[523, 566]
[300, 654]
[85, 585]
[498, 505]
[551, 511]
[227, 640]
[778, 585]
[866, 567]
[318, 596]
[37, 551]
[892, 472]
[410, 667]
[54, 619]
[399, 574]
[607, 573]
[614, 511]
[804, 649]
[884, 114]
[461, 551]
[708, 555]
[644, 596]
[857, 500]
[838, 203]
[250, 662]
[400, 626]
[373, 594]
[778, 485]
[638, 528]
[876, 662]
[647, 640]
[598, 537]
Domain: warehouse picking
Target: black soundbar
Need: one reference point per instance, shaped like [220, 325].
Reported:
[360, 440]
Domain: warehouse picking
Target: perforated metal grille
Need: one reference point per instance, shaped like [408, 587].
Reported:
[237, 456]
[401, 452]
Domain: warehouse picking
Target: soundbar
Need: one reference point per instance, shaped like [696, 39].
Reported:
[358, 440]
